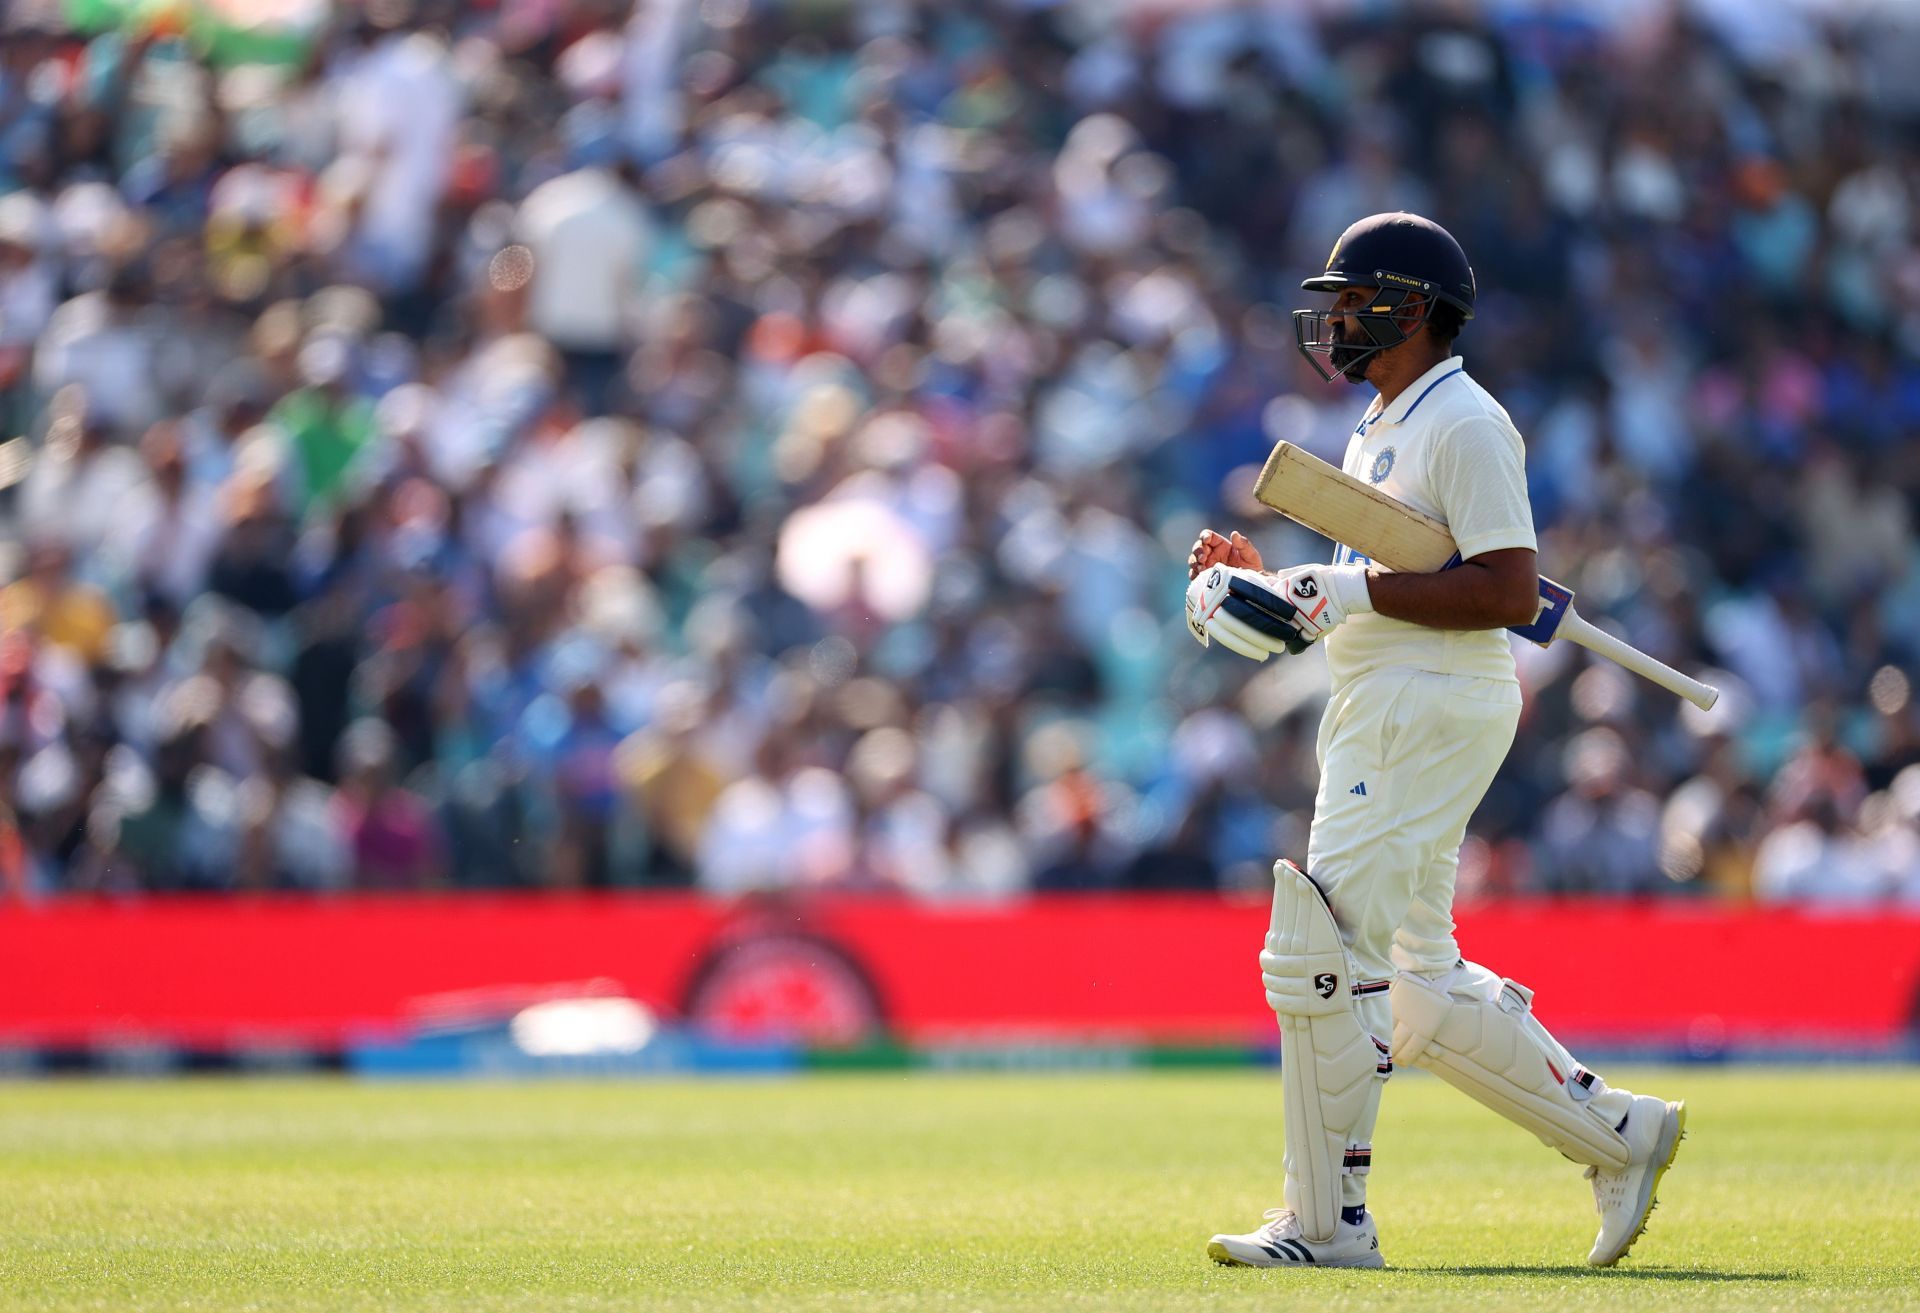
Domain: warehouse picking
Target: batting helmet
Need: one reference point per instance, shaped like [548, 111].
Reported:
[1402, 255]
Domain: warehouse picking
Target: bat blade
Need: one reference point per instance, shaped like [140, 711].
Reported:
[1366, 521]
[1356, 515]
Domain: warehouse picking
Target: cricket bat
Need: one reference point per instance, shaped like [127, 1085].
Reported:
[1336, 505]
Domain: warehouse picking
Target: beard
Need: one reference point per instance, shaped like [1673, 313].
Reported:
[1344, 353]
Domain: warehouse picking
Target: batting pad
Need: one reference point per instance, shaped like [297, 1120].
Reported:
[1330, 1068]
[1477, 1032]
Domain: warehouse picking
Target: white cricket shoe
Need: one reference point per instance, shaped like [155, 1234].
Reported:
[1280, 1244]
[1653, 1132]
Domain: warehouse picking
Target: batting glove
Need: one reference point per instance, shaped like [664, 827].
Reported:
[1321, 596]
[1235, 608]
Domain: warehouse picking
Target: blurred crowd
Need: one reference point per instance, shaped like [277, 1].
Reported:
[736, 444]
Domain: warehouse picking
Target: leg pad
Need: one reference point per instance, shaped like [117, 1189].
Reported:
[1477, 1032]
[1330, 1066]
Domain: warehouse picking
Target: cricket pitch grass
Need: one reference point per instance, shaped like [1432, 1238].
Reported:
[1796, 1190]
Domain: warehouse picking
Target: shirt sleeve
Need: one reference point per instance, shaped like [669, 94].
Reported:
[1479, 477]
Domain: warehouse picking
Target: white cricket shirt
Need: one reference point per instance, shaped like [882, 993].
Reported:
[1446, 447]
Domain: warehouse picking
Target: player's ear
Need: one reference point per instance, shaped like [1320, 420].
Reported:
[1414, 313]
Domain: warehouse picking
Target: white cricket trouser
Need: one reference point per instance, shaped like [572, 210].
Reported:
[1405, 756]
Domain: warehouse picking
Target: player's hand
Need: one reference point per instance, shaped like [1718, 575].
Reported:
[1211, 549]
[1319, 596]
[1236, 609]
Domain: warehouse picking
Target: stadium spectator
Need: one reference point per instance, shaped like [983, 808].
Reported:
[749, 444]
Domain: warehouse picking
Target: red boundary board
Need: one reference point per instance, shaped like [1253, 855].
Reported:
[1175, 968]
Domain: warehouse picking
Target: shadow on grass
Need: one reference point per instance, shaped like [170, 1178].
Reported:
[1611, 1274]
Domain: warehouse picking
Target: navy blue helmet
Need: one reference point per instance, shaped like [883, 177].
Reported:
[1401, 254]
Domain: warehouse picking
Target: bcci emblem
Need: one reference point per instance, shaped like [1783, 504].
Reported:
[1382, 466]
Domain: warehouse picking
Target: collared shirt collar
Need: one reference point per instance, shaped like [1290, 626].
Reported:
[1404, 405]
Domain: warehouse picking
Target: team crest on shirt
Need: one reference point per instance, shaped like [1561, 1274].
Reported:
[1382, 466]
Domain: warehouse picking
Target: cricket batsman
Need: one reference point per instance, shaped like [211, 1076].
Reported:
[1360, 964]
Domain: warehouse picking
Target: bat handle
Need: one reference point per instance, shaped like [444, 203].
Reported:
[1577, 628]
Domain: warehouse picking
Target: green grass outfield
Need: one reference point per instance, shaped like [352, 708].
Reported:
[1796, 1190]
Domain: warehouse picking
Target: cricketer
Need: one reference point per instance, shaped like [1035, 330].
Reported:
[1360, 963]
